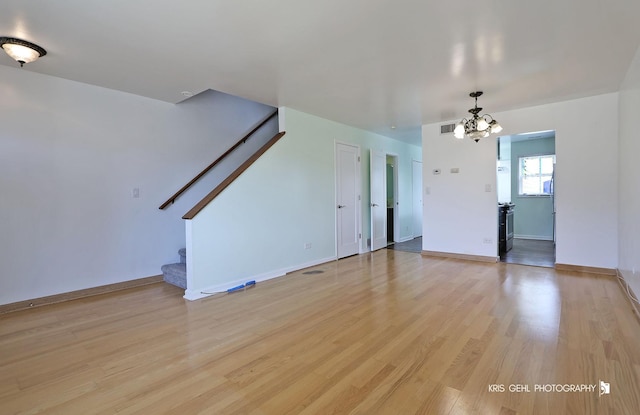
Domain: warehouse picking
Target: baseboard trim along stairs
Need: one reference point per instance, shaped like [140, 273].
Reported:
[197, 294]
[176, 274]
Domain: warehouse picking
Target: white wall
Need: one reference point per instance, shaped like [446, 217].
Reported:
[459, 214]
[629, 174]
[257, 227]
[70, 155]
[227, 118]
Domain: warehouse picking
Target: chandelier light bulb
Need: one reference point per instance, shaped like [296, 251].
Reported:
[482, 124]
[458, 132]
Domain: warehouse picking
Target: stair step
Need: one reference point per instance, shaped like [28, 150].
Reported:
[175, 274]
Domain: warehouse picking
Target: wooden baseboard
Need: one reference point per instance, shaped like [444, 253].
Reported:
[582, 268]
[460, 256]
[74, 295]
[624, 286]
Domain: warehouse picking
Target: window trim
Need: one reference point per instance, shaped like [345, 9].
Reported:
[520, 175]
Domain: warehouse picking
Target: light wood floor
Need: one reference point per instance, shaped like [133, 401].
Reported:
[384, 333]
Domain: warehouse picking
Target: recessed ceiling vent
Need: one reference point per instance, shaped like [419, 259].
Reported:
[447, 128]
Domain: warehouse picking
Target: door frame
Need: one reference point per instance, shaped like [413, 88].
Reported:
[396, 202]
[396, 192]
[514, 172]
[421, 196]
[358, 193]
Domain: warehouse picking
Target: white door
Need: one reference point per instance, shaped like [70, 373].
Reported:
[417, 198]
[378, 200]
[347, 199]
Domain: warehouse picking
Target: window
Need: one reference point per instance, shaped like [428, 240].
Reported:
[536, 175]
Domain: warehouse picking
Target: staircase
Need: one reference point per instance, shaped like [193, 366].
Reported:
[176, 274]
[265, 134]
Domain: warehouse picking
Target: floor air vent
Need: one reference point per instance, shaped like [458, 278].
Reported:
[313, 272]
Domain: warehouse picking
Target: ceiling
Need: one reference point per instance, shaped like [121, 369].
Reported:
[372, 64]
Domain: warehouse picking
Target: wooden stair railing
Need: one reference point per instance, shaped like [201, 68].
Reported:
[218, 160]
[226, 182]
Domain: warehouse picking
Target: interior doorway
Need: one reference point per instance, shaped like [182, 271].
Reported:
[392, 184]
[526, 198]
[384, 199]
[415, 244]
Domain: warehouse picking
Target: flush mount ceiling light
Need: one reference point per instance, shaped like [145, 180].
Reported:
[21, 50]
[476, 127]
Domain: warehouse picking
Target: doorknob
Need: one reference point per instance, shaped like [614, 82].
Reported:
[374, 205]
[341, 206]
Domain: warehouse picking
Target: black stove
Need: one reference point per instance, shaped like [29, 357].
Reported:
[505, 226]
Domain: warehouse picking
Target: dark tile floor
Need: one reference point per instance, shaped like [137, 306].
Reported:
[524, 251]
[414, 245]
[531, 252]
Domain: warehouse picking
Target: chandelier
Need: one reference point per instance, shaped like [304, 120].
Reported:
[476, 127]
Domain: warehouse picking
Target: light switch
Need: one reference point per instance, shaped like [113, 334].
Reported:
[135, 192]
[487, 188]
[455, 169]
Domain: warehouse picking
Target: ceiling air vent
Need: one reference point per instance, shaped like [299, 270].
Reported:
[447, 128]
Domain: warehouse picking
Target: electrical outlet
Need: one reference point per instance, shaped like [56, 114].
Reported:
[307, 245]
[487, 241]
